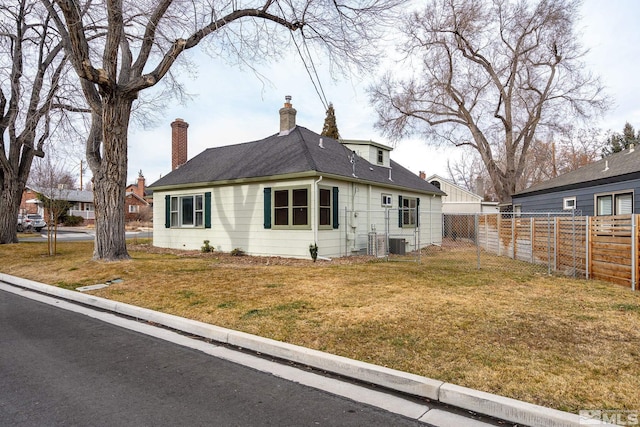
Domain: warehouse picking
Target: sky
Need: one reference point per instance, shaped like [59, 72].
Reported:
[232, 105]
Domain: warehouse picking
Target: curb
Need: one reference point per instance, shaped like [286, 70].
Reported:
[496, 406]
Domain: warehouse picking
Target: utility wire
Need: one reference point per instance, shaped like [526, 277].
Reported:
[317, 85]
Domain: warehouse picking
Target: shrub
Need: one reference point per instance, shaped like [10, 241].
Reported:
[206, 248]
[313, 250]
[73, 220]
[237, 252]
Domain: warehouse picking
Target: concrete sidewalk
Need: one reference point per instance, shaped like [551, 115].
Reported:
[491, 405]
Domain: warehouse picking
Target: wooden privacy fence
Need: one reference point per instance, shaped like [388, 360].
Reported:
[603, 247]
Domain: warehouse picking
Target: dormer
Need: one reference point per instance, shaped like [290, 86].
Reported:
[374, 152]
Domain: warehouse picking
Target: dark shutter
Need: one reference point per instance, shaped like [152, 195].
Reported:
[167, 211]
[400, 211]
[207, 209]
[418, 212]
[336, 210]
[267, 207]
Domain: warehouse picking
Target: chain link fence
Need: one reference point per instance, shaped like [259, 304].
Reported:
[391, 234]
[546, 242]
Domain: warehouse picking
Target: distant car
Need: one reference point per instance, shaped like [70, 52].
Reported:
[37, 222]
[24, 223]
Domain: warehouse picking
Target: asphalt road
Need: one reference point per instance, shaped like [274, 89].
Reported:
[60, 368]
[77, 234]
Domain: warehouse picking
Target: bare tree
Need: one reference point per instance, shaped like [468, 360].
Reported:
[142, 42]
[32, 69]
[546, 159]
[490, 74]
[46, 173]
[52, 181]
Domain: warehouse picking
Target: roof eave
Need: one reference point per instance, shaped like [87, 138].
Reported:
[582, 184]
[297, 175]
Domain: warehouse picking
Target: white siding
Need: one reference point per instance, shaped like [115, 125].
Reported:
[368, 215]
[458, 200]
[237, 220]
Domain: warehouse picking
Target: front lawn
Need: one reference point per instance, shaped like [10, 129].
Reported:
[558, 342]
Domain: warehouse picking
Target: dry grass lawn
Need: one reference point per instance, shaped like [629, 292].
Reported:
[558, 342]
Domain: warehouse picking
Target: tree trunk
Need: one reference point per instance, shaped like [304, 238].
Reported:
[10, 197]
[110, 178]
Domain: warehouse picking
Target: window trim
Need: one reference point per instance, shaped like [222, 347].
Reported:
[330, 207]
[565, 201]
[614, 206]
[290, 208]
[408, 211]
[389, 197]
[201, 215]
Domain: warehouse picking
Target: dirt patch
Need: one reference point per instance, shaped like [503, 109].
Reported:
[226, 258]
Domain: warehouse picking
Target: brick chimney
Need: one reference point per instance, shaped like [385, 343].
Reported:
[422, 175]
[287, 117]
[178, 143]
[140, 188]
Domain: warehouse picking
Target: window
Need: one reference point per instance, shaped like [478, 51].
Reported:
[380, 157]
[408, 211]
[386, 200]
[281, 207]
[188, 211]
[291, 207]
[134, 208]
[436, 184]
[614, 204]
[624, 204]
[328, 205]
[568, 203]
[325, 207]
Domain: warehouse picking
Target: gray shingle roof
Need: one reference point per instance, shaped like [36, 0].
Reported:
[297, 152]
[617, 167]
[68, 195]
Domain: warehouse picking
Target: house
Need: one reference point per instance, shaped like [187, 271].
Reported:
[30, 204]
[459, 207]
[278, 195]
[605, 187]
[137, 206]
[459, 200]
[81, 202]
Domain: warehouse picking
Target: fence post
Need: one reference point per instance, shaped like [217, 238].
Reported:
[477, 236]
[556, 235]
[548, 243]
[418, 222]
[513, 236]
[587, 248]
[387, 230]
[499, 226]
[532, 229]
[634, 253]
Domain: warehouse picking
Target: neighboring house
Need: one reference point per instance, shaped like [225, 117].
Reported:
[81, 202]
[459, 200]
[136, 202]
[606, 187]
[30, 204]
[278, 195]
